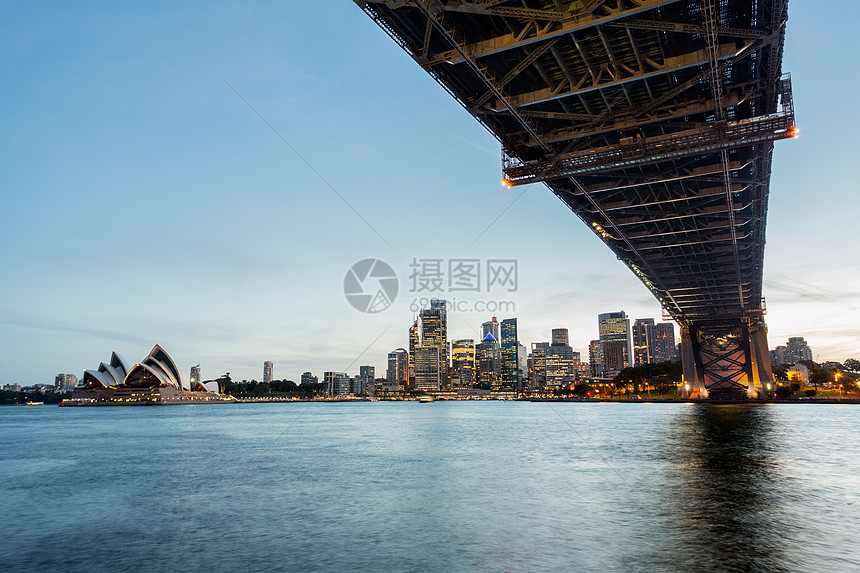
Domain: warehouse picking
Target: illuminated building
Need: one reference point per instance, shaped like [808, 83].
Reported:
[614, 327]
[663, 347]
[643, 330]
[560, 368]
[428, 378]
[155, 380]
[491, 327]
[65, 381]
[488, 363]
[796, 349]
[414, 342]
[463, 362]
[268, 368]
[337, 383]
[433, 326]
[308, 378]
[194, 378]
[560, 337]
[510, 357]
[398, 367]
[537, 371]
[594, 358]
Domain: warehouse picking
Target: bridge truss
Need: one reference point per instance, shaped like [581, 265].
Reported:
[653, 121]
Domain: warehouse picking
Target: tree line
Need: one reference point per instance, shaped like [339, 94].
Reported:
[226, 385]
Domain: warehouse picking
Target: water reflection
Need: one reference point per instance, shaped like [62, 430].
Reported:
[723, 470]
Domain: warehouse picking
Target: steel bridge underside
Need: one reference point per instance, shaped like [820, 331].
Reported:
[653, 121]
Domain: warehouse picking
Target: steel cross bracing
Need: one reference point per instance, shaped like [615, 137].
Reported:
[653, 120]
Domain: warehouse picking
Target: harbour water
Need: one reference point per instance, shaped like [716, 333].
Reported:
[468, 486]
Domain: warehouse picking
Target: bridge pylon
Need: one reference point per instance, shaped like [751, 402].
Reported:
[726, 361]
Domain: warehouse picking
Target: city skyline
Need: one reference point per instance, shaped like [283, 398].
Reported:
[121, 115]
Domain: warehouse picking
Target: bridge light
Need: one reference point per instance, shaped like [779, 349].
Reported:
[507, 183]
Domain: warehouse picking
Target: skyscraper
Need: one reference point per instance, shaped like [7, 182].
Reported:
[537, 372]
[613, 357]
[491, 327]
[663, 343]
[367, 372]
[560, 369]
[560, 337]
[398, 367]
[488, 363]
[427, 375]
[463, 362]
[267, 372]
[614, 327]
[643, 331]
[594, 361]
[414, 342]
[195, 377]
[433, 327]
[510, 357]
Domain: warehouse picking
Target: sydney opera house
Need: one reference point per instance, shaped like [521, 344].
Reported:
[154, 381]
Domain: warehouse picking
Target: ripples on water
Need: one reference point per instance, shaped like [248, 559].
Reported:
[472, 486]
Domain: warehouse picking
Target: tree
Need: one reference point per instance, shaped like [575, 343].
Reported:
[224, 383]
[583, 390]
[852, 364]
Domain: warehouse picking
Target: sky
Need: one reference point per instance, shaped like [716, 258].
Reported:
[202, 175]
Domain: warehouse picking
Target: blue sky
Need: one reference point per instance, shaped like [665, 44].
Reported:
[144, 202]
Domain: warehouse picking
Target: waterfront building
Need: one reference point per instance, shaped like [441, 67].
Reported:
[363, 383]
[155, 380]
[398, 367]
[463, 363]
[433, 327]
[643, 330]
[509, 354]
[194, 378]
[488, 363]
[428, 377]
[537, 370]
[337, 384]
[308, 378]
[268, 369]
[663, 346]
[614, 330]
[560, 367]
[522, 364]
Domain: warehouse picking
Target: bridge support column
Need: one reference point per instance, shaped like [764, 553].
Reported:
[761, 380]
[693, 385]
[726, 361]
